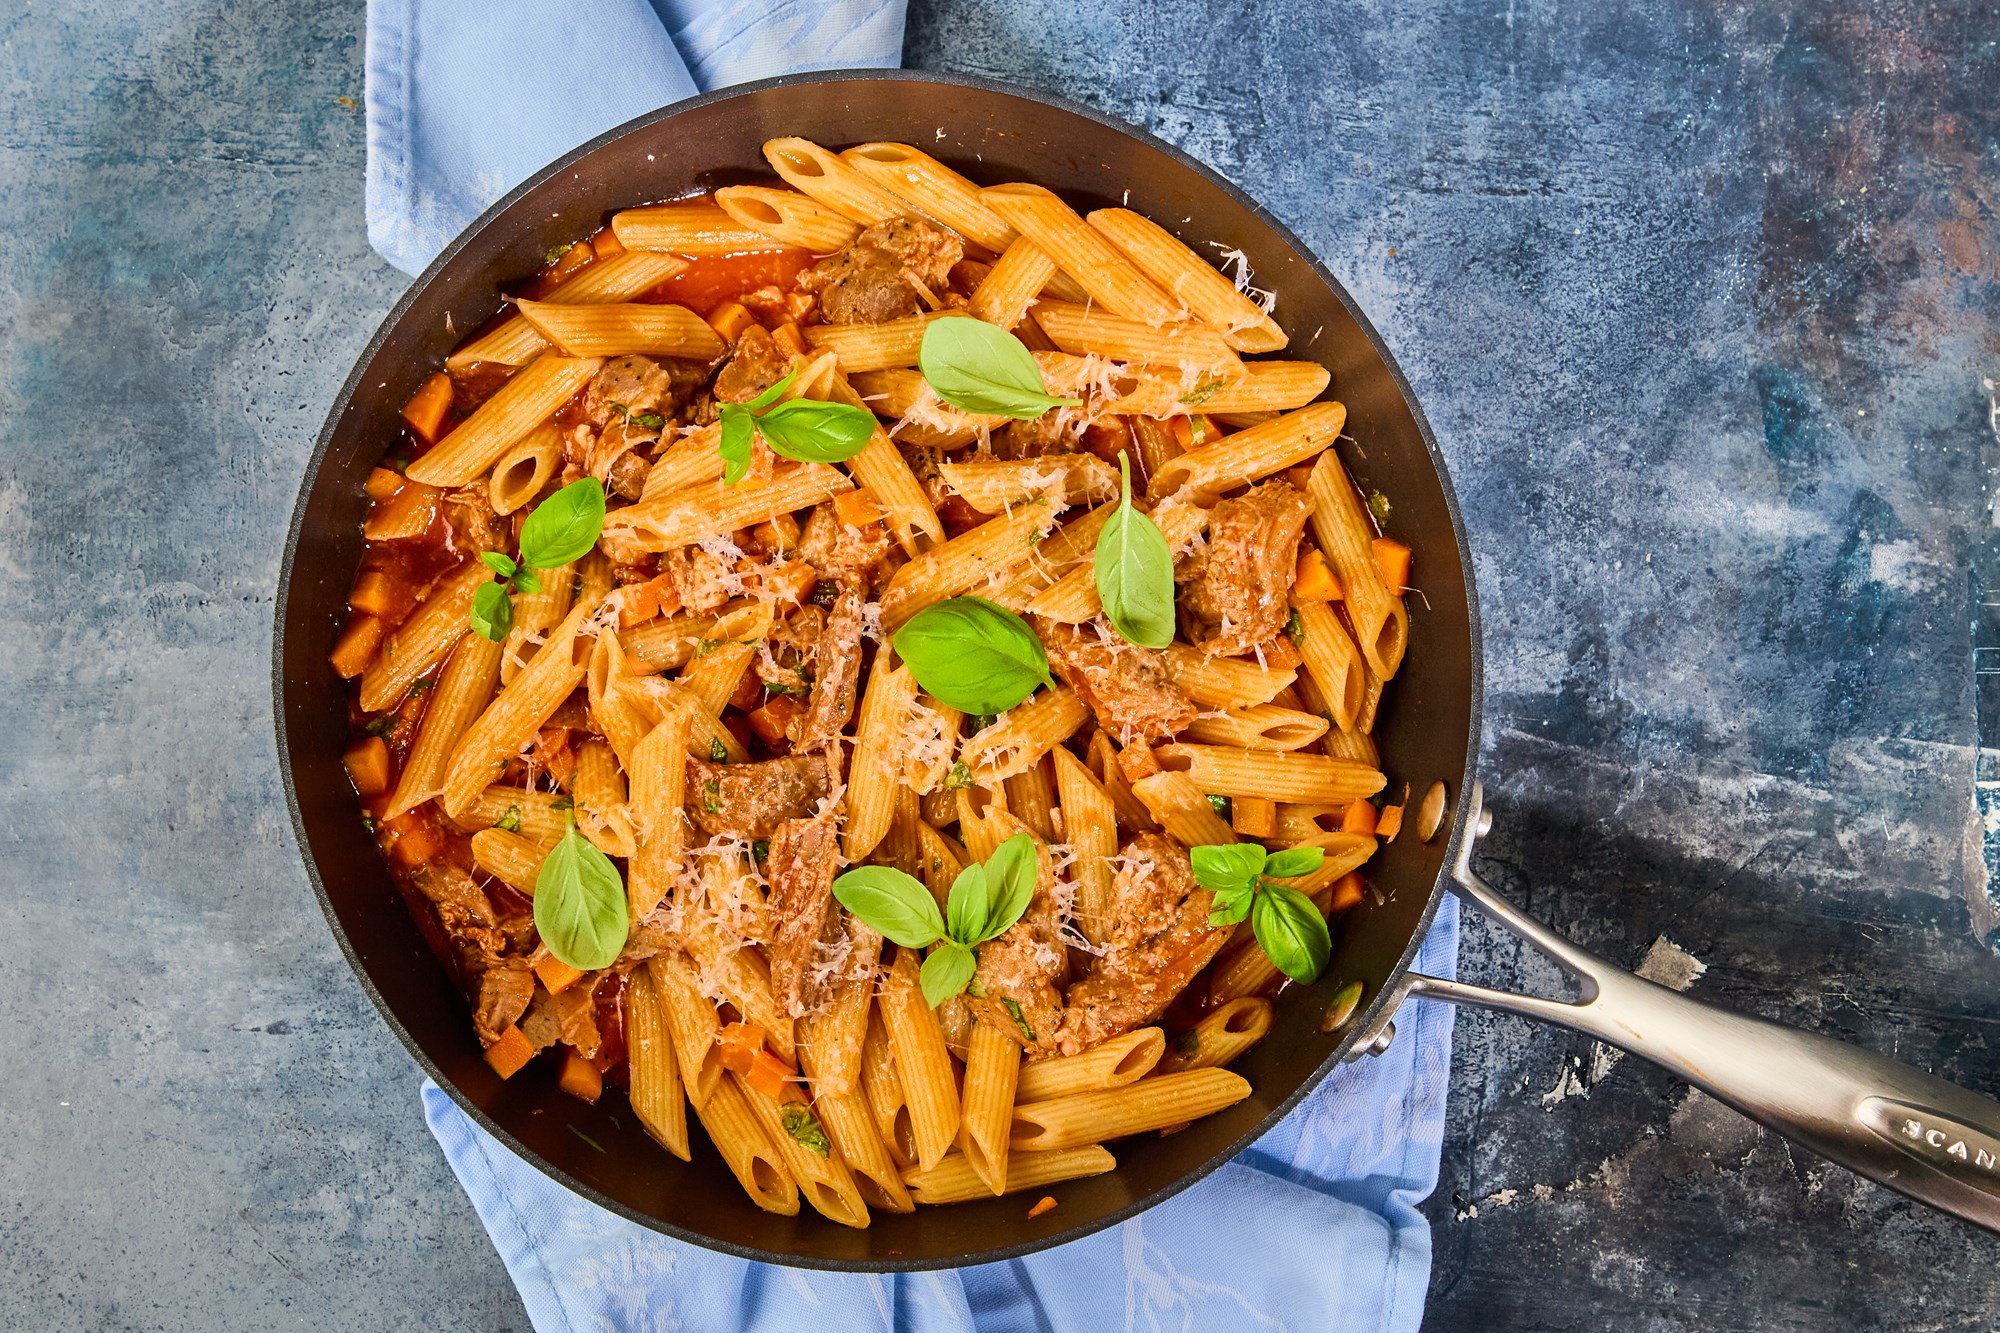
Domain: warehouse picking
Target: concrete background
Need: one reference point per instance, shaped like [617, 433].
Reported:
[1702, 301]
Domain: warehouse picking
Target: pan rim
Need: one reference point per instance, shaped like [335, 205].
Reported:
[1374, 1013]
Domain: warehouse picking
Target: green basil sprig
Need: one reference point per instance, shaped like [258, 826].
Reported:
[984, 901]
[562, 528]
[980, 367]
[972, 655]
[1135, 571]
[804, 430]
[799, 1122]
[1288, 927]
[580, 903]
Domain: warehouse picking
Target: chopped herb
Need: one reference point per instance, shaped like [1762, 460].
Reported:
[368, 822]
[511, 821]
[1014, 1012]
[418, 687]
[804, 687]
[1219, 804]
[711, 796]
[718, 753]
[1198, 430]
[975, 990]
[803, 1125]
[761, 849]
[1200, 394]
[981, 721]
[587, 1139]
[825, 592]
[960, 776]
[937, 864]
[398, 463]
[382, 725]
[555, 254]
[562, 803]
[1378, 505]
[1295, 629]
[649, 420]
[1187, 1044]
[1037, 538]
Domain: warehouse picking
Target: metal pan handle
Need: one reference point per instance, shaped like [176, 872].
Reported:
[1911, 1131]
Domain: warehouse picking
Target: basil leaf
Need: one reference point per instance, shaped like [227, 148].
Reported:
[971, 655]
[565, 526]
[580, 903]
[492, 612]
[1013, 1009]
[946, 972]
[1291, 931]
[804, 1126]
[527, 582]
[771, 395]
[1135, 571]
[982, 368]
[891, 903]
[734, 450]
[1011, 873]
[1293, 862]
[1225, 866]
[510, 822]
[718, 753]
[809, 431]
[499, 562]
[968, 905]
[1230, 906]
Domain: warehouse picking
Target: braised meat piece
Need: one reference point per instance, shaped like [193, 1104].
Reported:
[755, 365]
[1125, 685]
[749, 801]
[627, 475]
[842, 553]
[1159, 939]
[502, 997]
[809, 946]
[837, 670]
[1045, 434]
[701, 579]
[628, 387]
[1238, 586]
[877, 278]
[474, 525]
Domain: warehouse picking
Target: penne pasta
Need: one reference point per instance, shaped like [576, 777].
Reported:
[920, 417]
[1151, 1103]
[1263, 386]
[1258, 727]
[1279, 777]
[926, 185]
[1083, 253]
[1381, 623]
[422, 641]
[688, 229]
[1181, 806]
[922, 1063]
[1133, 815]
[755, 1161]
[1109, 1064]
[1247, 456]
[1333, 662]
[1222, 1034]
[866, 347]
[992, 1068]
[1187, 278]
[510, 858]
[521, 404]
[1082, 330]
[812, 170]
[982, 556]
[460, 695]
[535, 614]
[887, 1101]
[1031, 798]
[1090, 826]
[850, 1123]
[788, 217]
[809, 1156]
[715, 510]
[514, 341]
[624, 330]
[882, 469]
[655, 1091]
[1010, 286]
[532, 814]
[1070, 600]
[992, 486]
[691, 1023]
[1022, 735]
[658, 822]
[512, 719]
[873, 773]
[521, 473]
[1224, 682]
[955, 1180]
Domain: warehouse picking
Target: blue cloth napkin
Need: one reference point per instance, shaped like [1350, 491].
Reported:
[1315, 1228]
[466, 101]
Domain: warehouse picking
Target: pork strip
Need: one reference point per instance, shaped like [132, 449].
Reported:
[1238, 586]
[749, 801]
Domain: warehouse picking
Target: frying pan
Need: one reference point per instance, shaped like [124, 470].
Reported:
[1888, 1121]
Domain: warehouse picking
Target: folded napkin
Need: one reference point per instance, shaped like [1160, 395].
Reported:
[1316, 1227]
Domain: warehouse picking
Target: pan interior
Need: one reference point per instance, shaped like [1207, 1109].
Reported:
[992, 134]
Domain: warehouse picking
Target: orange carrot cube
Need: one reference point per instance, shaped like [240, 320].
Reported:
[427, 407]
[510, 1052]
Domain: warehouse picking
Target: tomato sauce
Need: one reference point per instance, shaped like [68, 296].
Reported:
[709, 281]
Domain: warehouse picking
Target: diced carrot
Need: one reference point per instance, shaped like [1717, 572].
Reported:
[580, 1078]
[415, 841]
[428, 406]
[553, 754]
[749, 689]
[607, 244]
[730, 319]
[857, 508]
[769, 1075]
[1046, 1204]
[407, 513]
[1253, 816]
[774, 719]
[367, 764]
[572, 259]
[789, 339]
[1390, 824]
[357, 644]
[508, 1054]
[799, 304]
[1315, 581]
[1300, 476]
[737, 1043]
[1360, 818]
[791, 582]
[382, 483]
[556, 975]
[1393, 559]
[1347, 892]
[1136, 761]
[640, 602]
[374, 593]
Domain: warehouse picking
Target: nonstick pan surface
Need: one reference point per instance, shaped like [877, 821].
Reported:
[993, 133]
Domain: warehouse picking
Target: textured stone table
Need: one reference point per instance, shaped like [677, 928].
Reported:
[1700, 300]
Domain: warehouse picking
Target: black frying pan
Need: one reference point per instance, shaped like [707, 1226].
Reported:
[1429, 728]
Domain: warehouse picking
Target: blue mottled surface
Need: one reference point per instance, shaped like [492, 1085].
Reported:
[1702, 302]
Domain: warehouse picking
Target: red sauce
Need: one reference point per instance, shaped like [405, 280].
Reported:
[709, 281]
